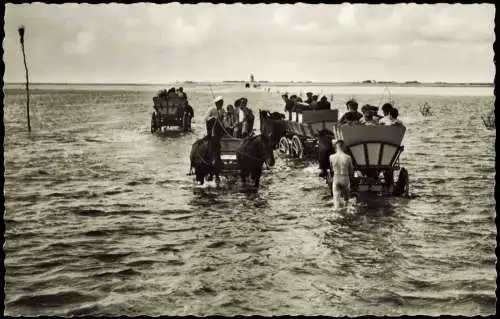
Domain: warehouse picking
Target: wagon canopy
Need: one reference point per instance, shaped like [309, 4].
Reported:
[310, 122]
[372, 145]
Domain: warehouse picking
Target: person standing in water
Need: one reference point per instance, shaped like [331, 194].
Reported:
[343, 171]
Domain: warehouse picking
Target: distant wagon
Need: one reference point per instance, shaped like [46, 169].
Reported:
[170, 112]
[375, 151]
[297, 135]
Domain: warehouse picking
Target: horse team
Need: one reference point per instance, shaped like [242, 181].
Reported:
[253, 152]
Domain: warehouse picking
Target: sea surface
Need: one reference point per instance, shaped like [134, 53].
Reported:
[102, 219]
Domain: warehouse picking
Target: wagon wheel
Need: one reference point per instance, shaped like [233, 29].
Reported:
[284, 146]
[297, 147]
[153, 123]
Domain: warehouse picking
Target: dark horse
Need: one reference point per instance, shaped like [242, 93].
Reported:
[325, 149]
[273, 126]
[254, 151]
[206, 153]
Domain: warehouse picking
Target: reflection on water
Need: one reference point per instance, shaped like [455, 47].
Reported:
[101, 217]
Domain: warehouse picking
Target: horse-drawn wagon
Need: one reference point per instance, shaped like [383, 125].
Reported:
[375, 152]
[171, 111]
[375, 149]
[298, 135]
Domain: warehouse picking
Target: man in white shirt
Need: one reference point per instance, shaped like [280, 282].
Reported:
[343, 169]
[216, 112]
[386, 120]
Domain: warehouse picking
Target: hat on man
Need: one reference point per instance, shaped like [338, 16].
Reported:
[219, 98]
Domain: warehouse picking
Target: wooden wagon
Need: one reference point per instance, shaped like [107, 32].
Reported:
[375, 151]
[298, 136]
[170, 112]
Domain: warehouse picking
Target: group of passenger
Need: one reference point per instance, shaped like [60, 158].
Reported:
[294, 103]
[369, 115]
[237, 120]
[173, 92]
[182, 107]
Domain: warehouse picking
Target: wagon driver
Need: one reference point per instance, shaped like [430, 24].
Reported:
[343, 171]
[216, 112]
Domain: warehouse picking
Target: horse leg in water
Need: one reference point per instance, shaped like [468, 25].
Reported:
[199, 176]
[244, 176]
[256, 177]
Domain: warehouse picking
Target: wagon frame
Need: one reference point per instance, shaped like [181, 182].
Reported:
[375, 151]
[301, 130]
[170, 112]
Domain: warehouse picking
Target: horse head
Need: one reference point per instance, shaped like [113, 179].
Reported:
[268, 149]
[272, 127]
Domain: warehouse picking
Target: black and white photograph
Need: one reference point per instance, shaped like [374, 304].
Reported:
[249, 159]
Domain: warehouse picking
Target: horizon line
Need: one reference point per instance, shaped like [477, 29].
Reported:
[364, 82]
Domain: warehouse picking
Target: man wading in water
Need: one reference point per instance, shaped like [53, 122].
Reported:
[343, 170]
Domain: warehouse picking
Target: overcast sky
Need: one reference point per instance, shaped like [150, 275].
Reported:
[149, 43]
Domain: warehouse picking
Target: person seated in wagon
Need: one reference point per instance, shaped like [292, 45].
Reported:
[314, 103]
[309, 99]
[181, 94]
[245, 119]
[216, 112]
[394, 117]
[368, 118]
[231, 120]
[386, 110]
[374, 110]
[352, 115]
[323, 104]
[289, 102]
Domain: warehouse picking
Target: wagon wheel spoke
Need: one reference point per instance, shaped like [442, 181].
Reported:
[297, 147]
[284, 147]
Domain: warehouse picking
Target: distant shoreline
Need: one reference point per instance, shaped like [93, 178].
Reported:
[276, 84]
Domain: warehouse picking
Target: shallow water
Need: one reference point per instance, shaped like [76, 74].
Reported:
[102, 219]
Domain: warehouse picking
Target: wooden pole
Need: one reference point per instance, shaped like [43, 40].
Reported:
[21, 36]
